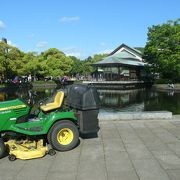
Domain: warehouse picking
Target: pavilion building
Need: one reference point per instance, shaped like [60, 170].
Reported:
[123, 64]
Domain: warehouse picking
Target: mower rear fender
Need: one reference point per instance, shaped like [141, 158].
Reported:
[55, 117]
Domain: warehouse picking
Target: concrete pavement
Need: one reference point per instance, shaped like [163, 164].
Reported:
[124, 150]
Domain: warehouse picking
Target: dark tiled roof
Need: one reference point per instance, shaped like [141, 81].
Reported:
[121, 58]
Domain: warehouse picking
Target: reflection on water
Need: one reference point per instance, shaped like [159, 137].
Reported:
[126, 100]
[26, 94]
[113, 101]
[139, 100]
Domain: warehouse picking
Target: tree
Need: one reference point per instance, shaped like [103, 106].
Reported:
[162, 50]
[88, 63]
[55, 63]
[49, 63]
[77, 66]
[98, 57]
[141, 49]
[10, 60]
[31, 63]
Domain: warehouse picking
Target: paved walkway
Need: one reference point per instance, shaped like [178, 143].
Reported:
[126, 150]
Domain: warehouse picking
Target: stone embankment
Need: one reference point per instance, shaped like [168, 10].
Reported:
[150, 115]
[164, 87]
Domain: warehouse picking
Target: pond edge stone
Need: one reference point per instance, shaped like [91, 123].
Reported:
[151, 115]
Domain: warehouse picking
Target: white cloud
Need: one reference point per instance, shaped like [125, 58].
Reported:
[73, 51]
[10, 43]
[76, 54]
[105, 51]
[103, 44]
[2, 25]
[32, 35]
[69, 19]
[41, 44]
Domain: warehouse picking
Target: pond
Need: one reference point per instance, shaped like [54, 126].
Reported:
[140, 100]
[111, 101]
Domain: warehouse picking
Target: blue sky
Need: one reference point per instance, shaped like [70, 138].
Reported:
[82, 27]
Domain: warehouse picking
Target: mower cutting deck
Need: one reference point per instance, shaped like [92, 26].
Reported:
[59, 122]
[26, 149]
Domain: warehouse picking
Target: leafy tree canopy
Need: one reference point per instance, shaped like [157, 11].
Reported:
[10, 60]
[162, 50]
[55, 63]
[87, 66]
[84, 67]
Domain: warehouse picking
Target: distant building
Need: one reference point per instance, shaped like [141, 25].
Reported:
[4, 40]
[124, 63]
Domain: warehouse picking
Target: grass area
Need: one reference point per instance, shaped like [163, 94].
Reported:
[39, 84]
[42, 82]
[162, 81]
[36, 83]
[2, 85]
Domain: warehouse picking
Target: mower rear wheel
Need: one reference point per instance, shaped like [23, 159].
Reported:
[64, 135]
[2, 148]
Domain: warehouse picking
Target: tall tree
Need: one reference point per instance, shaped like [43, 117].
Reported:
[55, 63]
[77, 66]
[162, 50]
[10, 60]
[31, 63]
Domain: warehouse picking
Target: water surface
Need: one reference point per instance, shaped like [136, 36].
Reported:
[111, 101]
[140, 100]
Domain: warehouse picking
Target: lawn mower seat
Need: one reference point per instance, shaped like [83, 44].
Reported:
[58, 99]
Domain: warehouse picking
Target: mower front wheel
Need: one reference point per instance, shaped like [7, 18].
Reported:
[51, 152]
[2, 148]
[64, 135]
[12, 157]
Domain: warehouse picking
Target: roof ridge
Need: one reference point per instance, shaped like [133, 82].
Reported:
[124, 45]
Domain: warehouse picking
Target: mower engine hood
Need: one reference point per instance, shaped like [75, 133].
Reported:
[13, 104]
[10, 111]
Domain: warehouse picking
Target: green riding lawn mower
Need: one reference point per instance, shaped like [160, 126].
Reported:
[59, 123]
